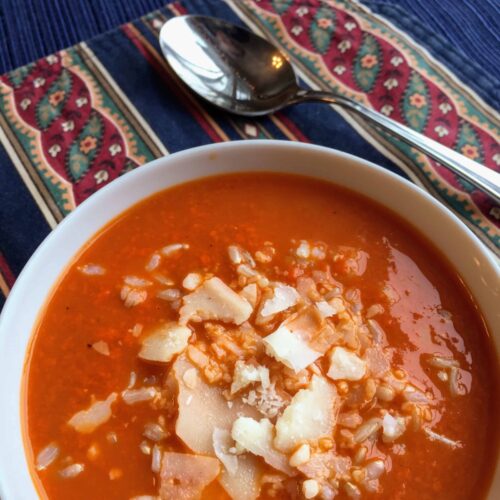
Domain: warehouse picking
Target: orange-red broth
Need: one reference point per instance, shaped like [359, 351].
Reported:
[249, 209]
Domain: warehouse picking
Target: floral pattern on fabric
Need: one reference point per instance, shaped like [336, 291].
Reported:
[73, 134]
[365, 59]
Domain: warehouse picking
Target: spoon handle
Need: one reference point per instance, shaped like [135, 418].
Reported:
[480, 176]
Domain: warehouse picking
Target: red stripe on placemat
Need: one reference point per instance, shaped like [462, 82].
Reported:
[134, 36]
[178, 9]
[6, 272]
[7, 277]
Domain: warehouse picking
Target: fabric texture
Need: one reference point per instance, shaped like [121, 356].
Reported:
[73, 121]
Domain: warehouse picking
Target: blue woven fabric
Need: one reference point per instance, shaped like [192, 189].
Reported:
[452, 30]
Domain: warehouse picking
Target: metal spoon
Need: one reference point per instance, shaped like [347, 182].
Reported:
[241, 72]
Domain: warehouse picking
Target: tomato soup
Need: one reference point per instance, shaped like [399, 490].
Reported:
[261, 336]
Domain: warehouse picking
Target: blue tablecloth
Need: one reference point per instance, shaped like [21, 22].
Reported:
[73, 121]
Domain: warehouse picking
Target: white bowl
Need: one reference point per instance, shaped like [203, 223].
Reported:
[468, 256]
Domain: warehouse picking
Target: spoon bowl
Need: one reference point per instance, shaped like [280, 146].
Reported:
[237, 70]
[227, 65]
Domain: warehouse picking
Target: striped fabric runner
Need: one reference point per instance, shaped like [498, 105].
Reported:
[72, 122]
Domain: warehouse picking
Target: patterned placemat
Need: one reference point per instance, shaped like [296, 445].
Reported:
[72, 122]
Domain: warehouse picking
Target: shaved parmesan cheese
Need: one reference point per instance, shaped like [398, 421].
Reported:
[214, 300]
[306, 323]
[207, 401]
[87, 421]
[345, 365]
[184, 477]
[325, 309]
[246, 484]
[222, 441]
[284, 297]
[257, 438]
[290, 349]
[310, 326]
[101, 347]
[392, 428]
[311, 415]
[190, 378]
[244, 375]
[250, 293]
[164, 343]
